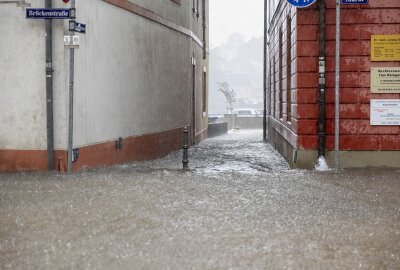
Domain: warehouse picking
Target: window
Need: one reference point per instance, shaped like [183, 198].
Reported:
[289, 69]
[280, 75]
[193, 123]
[270, 88]
[204, 90]
[274, 87]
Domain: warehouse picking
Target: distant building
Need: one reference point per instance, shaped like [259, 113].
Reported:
[141, 75]
[368, 136]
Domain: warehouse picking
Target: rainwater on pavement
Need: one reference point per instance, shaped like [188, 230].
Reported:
[238, 207]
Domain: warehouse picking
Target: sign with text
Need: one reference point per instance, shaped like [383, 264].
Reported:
[385, 112]
[80, 28]
[385, 47]
[385, 80]
[301, 3]
[348, 2]
[48, 13]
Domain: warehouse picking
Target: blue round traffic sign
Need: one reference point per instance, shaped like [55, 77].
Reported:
[301, 3]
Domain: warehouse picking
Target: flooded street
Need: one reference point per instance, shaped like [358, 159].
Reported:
[238, 207]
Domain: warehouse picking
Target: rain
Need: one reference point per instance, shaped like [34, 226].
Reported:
[239, 206]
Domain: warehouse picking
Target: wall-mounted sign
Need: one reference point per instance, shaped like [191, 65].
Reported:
[75, 154]
[75, 26]
[301, 3]
[385, 112]
[48, 13]
[385, 48]
[385, 80]
[80, 28]
[71, 41]
[348, 2]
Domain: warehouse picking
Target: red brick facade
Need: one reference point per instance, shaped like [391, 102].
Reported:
[358, 23]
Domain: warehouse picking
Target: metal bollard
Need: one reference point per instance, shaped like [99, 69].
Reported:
[185, 160]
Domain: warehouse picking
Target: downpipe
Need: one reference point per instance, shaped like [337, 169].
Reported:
[322, 99]
[265, 73]
[204, 30]
[49, 89]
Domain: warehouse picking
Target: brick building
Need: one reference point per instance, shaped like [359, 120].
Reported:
[293, 83]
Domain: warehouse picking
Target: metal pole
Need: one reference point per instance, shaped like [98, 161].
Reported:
[321, 119]
[337, 82]
[71, 100]
[185, 159]
[265, 74]
[49, 90]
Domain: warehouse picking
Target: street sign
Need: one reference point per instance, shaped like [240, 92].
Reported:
[48, 13]
[301, 3]
[80, 28]
[354, 2]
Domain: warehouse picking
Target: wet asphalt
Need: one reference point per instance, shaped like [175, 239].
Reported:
[238, 207]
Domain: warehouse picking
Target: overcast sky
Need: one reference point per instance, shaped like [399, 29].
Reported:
[230, 16]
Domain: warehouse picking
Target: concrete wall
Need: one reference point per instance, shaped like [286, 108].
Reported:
[22, 80]
[126, 75]
[240, 122]
[133, 74]
[217, 129]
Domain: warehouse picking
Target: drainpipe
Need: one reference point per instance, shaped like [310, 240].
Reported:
[337, 87]
[49, 89]
[321, 118]
[265, 73]
[71, 102]
[204, 30]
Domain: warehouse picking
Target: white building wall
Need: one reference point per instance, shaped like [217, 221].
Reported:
[132, 75]
[22, 80]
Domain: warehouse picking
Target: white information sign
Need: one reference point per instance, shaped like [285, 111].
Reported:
[385, 112]
[74, 42]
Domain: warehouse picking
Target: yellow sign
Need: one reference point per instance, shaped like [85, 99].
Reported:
[385, 80]
[385, 48]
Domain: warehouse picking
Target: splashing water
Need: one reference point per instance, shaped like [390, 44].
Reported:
[321, 165]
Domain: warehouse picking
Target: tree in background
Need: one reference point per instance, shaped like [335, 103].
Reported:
[229, 93]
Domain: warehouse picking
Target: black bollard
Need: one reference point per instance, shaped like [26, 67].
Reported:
[185, 160]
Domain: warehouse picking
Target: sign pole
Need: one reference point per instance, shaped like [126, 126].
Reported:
[71, 100]
[337, 86]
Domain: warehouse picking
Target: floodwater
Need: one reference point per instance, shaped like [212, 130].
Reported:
[239, 207]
